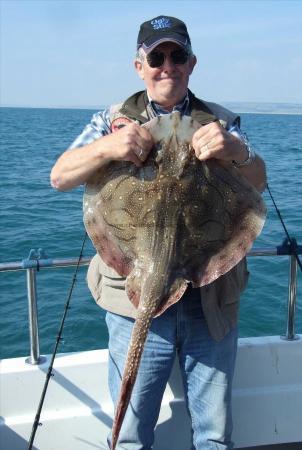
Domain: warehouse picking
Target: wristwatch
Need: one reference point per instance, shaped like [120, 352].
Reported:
[250, 158]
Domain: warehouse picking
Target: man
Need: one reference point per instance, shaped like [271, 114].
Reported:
[201, 328]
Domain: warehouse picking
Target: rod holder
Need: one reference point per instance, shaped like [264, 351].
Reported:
[293, 251]
[35, 357]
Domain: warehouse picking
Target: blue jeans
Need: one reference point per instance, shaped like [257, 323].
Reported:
[206, 366]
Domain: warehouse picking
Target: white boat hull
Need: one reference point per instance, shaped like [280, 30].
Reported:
[77, 412]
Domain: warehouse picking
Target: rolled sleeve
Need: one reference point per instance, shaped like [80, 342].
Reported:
[237, 132]
[98, 127]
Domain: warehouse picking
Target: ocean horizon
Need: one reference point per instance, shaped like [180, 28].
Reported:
[242, 107]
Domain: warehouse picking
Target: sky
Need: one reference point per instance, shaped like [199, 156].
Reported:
[66, 53]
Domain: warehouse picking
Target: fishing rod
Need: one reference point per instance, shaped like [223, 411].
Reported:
[291, 242]
[59, 338]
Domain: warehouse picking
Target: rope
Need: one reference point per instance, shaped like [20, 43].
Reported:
[292, 244]
[49, 372]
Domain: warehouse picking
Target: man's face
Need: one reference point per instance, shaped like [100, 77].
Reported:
[167, 85]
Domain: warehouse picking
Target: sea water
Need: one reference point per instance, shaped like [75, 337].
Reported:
[33, 215]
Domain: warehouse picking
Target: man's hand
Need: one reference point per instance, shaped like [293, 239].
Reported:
[130, 143]
[74, 167]
[213, 141]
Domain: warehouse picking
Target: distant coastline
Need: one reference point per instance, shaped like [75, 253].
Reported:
[264, 108]
[239, 107]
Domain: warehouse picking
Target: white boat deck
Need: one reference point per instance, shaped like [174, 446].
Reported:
[77, 413]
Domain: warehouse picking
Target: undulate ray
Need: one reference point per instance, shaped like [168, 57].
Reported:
[173, 221]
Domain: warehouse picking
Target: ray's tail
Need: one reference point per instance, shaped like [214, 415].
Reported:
[156, 285]
[138, 338]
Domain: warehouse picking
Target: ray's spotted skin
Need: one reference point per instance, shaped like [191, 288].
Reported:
[172, 221]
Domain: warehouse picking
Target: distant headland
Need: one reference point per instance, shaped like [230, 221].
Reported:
[264, 108]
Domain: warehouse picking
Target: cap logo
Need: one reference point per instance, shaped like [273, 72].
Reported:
[163, 22]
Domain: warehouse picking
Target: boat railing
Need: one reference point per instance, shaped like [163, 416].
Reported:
[38, 259]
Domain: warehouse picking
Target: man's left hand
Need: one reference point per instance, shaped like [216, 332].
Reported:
[213, 141]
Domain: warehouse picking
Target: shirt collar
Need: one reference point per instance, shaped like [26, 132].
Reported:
[182, 107]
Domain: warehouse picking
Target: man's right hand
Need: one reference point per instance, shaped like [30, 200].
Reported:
[130, 143]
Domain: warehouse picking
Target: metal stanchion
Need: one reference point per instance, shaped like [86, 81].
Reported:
[35, 357]
[292, 295]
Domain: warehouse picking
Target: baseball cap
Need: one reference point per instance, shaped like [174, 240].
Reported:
[162, 29]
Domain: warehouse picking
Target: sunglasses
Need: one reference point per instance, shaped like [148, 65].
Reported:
[156, 59]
